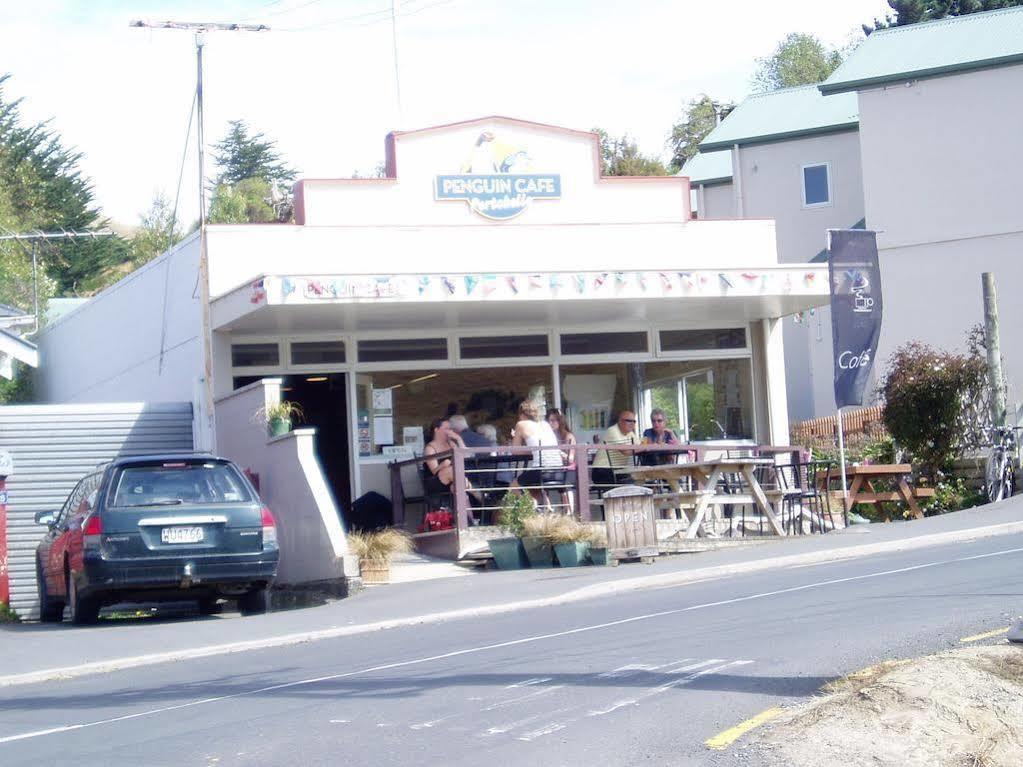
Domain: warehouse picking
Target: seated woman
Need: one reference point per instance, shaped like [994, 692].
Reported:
[658, 434]
[440, 471]
[561, 429]
[534, 432]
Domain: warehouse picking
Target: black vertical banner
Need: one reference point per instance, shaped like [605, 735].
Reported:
[855, 310]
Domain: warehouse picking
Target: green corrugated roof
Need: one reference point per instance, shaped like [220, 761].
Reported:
[784, 114]
[709, 168]
[945, 46]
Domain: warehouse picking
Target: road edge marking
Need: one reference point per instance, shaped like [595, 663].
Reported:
[723, 740]
[593, 591]
[985, 635]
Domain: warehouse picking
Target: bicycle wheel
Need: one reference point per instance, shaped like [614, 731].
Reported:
[994, 475]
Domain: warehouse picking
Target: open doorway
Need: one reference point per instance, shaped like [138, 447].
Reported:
[324, 401]
[688, 401]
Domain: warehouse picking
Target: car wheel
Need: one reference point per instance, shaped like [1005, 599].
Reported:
[84, 610]
[210, 606]
[50, 610]
[255, 602]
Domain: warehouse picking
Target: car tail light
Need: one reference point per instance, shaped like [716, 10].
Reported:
[92, 530]
[269, 530]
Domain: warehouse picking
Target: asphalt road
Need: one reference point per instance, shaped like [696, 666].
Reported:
[645, 677]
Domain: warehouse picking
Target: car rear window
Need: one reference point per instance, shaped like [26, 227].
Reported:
[179, 483]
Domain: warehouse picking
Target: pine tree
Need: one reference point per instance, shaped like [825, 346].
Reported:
[241, 156]
[42, 188]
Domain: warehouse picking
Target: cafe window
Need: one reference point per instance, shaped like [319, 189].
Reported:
[402, 349]
[395, 408]
[255, 355]
[495, 347]
[604, 343]
[709, 339]
[317, 352]
[816, 185]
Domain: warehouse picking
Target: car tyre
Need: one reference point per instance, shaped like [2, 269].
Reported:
[210, 606]
[84, 610]
[255, 602]
[50, 610]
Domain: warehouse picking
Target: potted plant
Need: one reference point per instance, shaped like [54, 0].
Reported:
[598, 545]
[509, 553]
[375, 551]
[538, 536]
[279, 416]
[571, 541]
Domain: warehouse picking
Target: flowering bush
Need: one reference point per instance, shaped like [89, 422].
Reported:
[924, 392]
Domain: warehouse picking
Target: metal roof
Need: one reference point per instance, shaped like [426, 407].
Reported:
[931, 48]
[784, 114]
[709, 168]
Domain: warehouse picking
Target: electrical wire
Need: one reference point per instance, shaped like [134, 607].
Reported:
[367, 18]
[170, 235]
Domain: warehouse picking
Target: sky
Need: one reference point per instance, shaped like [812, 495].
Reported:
[321, 82]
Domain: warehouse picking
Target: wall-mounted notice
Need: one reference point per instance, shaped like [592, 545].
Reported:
[383, 402]
[383, 430]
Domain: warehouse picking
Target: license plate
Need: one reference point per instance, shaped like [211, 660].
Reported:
[181, 535]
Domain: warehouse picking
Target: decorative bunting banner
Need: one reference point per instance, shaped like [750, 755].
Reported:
[470, 283]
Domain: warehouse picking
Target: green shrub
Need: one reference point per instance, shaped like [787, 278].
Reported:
[953, 494]
[7, 614]
[516, 508]
[924, 393]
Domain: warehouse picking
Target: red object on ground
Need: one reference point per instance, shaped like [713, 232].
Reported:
[437, 520]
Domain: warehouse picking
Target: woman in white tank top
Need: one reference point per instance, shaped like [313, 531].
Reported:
[533, 432]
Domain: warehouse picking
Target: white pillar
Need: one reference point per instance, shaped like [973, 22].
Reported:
[775, 397]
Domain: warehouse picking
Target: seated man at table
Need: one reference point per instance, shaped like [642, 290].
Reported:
[608, 464]
[658, 434]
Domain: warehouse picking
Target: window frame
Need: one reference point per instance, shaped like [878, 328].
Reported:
[802, 185]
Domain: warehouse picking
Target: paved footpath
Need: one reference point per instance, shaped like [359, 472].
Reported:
[35, 652]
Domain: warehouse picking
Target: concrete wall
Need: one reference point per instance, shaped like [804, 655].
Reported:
[771, 187]
[312, 540]
[932, 293]
[772, 184]
[108, 349]
[942, 157]
[718, 201]
[941, 168]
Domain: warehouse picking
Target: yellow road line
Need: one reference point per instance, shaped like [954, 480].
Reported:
[986, 635]
[723, 740]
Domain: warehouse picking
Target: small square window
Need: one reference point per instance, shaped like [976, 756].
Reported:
[816, 185]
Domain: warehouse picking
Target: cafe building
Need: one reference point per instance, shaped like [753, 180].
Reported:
[492, 263]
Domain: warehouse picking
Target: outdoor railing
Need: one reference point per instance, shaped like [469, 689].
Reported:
[481, 476]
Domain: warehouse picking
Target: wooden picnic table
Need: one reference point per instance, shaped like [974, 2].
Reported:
[862, 489]
[705, 476]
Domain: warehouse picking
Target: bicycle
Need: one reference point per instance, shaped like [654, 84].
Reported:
[1000, 471]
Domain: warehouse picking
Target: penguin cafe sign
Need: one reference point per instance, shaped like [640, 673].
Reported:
[497, 180]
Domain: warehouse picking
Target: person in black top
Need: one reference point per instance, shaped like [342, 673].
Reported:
[658, 434]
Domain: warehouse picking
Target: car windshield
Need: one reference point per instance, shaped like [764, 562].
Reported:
[179, 483]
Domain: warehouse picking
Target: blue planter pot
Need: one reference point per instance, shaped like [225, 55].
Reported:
[509, 554]
[571, 554]
[539, 550]
[598, 556]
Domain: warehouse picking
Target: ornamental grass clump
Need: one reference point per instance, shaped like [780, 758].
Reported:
[554, 528]
[381, 545]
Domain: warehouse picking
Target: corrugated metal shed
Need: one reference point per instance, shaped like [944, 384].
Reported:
[709, 168]
[54, 446]
[932, 48]
[784, 114]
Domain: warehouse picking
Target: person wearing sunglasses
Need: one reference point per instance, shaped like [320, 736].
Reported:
[658, 434]
[608, 464]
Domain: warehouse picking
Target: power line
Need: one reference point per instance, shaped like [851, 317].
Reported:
[200, 28]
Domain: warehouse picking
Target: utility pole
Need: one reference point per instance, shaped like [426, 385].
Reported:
[35, 238]
[994, 349]
[397, 71]
[200, 29]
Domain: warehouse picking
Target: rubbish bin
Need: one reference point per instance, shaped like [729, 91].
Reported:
[631, 524]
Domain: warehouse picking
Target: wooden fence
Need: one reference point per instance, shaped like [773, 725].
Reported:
[853, 422]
